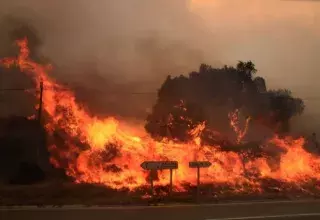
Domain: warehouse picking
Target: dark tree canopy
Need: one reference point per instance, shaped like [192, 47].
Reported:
[211, 93]
[23, 154]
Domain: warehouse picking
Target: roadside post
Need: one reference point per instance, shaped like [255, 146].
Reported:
[198, 165]
[159, 165]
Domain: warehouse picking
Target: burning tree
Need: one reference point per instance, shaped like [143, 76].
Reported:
[211, 93]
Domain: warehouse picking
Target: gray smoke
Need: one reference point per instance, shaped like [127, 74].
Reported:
[106, 49]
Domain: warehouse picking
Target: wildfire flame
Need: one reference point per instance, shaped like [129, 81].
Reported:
[106, 151]
[234, 123]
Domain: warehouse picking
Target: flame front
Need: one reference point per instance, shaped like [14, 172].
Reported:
[106, 151]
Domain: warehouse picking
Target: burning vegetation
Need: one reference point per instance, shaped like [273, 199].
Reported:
[183, 126]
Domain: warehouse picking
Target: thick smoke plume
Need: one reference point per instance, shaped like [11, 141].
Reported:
[107, 50]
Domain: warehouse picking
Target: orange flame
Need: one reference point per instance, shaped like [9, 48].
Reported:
[234, 123]
[105, 150]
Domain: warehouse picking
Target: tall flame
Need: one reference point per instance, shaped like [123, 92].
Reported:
[106, 151]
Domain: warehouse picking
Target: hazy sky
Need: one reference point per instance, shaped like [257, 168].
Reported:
[148, 39]
[281, 37]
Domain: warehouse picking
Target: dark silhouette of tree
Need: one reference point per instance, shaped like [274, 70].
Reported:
[23, 156]
[211, 93]
[260, 84]
[284, 107]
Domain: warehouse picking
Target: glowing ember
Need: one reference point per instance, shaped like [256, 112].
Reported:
[234, 123]
[104, 151]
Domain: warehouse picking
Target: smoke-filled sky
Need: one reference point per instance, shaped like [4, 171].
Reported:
[143, 40]
[280, 36]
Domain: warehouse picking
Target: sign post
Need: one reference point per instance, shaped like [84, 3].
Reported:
[160, 165]
[151, 183]
[170, 189]
[198, 165]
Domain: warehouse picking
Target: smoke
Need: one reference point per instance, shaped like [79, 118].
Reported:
[280, 37]
[107, 49]
[104, 48]
[124, 38]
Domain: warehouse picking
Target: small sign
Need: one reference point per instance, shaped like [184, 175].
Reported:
[159, 165]
[199, 164]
